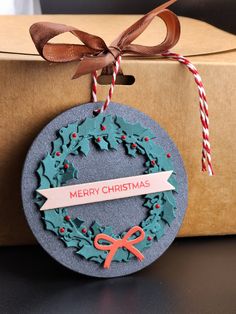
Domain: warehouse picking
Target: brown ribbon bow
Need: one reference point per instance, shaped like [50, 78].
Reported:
[95, 54]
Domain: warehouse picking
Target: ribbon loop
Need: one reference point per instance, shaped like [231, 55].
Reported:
[94, 54]
[43, 32]
[115, 244]
[172, 35]
[107, 238]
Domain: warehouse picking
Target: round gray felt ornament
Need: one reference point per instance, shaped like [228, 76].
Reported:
[105, 194]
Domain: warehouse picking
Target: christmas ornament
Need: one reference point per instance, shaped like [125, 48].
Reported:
[105, 191]
[62, 159]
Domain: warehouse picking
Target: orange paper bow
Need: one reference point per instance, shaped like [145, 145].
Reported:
[115, 244]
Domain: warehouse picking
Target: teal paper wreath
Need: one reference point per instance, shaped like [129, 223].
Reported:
[106, 132]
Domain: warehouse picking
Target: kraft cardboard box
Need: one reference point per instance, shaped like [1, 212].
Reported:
[32, 92]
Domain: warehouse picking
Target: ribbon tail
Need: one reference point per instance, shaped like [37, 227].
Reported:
[91, 64]
[136, 252]
[109, 258]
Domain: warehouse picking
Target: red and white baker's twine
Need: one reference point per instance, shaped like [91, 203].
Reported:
[206, 148]
[111, 89]
[94, 87]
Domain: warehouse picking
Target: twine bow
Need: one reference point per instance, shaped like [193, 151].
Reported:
[94, 54]
[115, 244]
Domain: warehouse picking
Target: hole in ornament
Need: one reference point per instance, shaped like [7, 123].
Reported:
[121, 79]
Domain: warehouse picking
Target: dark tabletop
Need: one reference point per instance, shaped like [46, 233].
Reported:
[195, 275]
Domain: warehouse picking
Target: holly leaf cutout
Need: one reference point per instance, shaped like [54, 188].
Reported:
[131, 151]
[70, 173]
[50, 171]
[168, 213]
[96, 228]
[91, 253]
[84, 146]
[87, 127]
[66, 132]
[112, 141]
[103, 145]
[56, 145]
[130, 129]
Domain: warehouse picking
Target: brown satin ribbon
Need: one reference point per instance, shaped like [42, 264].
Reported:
[95, 54]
